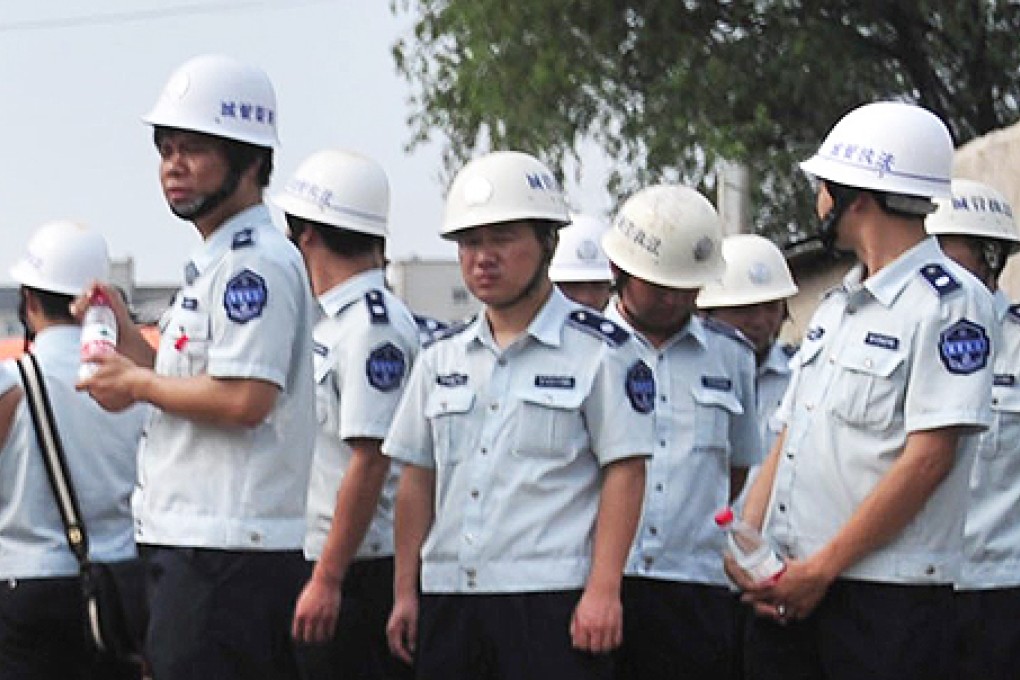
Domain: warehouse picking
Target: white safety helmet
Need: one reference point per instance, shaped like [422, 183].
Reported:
[977, 210]
[339, 188]
[891, 147]
[756, 272]
[667, 235]
[503, 186]
[579, 255]
[63, 257]
[219, 96]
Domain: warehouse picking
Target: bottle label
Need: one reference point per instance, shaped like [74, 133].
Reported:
[768, 570]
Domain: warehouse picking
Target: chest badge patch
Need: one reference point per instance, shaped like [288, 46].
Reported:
[245, 296]
[964, 347]
[385, 367]
[641, 387]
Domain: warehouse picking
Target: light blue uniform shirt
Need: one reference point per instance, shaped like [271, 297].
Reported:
[904, 351]
[705, 423]
[364, 349]
[992, 533]
[246, 312]
[517, 439]
[100, 450]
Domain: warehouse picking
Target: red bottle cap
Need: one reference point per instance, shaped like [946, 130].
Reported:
[724, 516]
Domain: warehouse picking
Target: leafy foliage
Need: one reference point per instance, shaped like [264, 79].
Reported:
[669, 88]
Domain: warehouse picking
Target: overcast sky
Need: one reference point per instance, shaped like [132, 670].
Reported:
[75, 78]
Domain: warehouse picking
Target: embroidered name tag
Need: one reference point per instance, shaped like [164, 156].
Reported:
[562, 382]
[881, 340]
[1004, 380]
[452, 380]
[715, 382]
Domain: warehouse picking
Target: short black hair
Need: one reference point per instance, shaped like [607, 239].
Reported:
[55, 306]
[345, 242]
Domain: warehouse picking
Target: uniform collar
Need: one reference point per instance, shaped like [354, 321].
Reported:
[344, 294]
[889, 282]
[222, 240]
[546, 326]
[55, 336]
[695, 328]
[776, 361]
[1001, 304]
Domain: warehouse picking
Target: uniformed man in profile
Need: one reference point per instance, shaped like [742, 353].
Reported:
[224, 466]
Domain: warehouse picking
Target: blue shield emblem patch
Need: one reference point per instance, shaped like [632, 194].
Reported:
[964, 347]
[641, 387]
[245, 296]
[385, 367]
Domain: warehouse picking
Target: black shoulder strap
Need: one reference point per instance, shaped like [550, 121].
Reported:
[53, 455]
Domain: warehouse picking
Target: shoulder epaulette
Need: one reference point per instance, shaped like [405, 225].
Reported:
[450, 331]
[1014, 312]
[376, 306]
[723, 328]
[941, 280]
[243, 239]
[427, 324]
[788, 350]
[595, 324]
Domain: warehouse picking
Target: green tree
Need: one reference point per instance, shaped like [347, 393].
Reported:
[668, 88]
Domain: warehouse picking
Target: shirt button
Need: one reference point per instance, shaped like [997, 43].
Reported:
[663, 398]
[484, 451]
[648, 562]
[995, 401]
[494, 406]
[658, 487]
[472, 583]
[471, 573]
[255, 537]
[501, 361]
[662, 443]
[809, 407]
[653, 531]
[929, 570]
[782, 507]
[789, 455]
[474, 493]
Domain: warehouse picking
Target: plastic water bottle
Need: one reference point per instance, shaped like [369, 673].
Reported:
[749, 549]
[98, 333]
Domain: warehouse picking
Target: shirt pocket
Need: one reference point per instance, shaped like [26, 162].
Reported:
[866, 391]
[1000, 439]
[713, 411]
[188, 336]
[547, 423]
[447, 409]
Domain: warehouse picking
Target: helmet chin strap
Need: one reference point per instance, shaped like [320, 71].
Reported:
[828, 230]
[204, 205]
[23, 318]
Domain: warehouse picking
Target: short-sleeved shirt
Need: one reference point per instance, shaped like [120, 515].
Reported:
[705, 424]
[364, 349]
[517, 439]
[99, 448]
[903, 351]
[245, 312]
[992, 533]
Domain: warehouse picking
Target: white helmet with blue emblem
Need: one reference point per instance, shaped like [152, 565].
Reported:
[503, 186]
[669, 235]
[579, 255]
[756, 272]
[341, 189]
[221, 96]
[891, 147]
[977, 210]
[63, 257]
